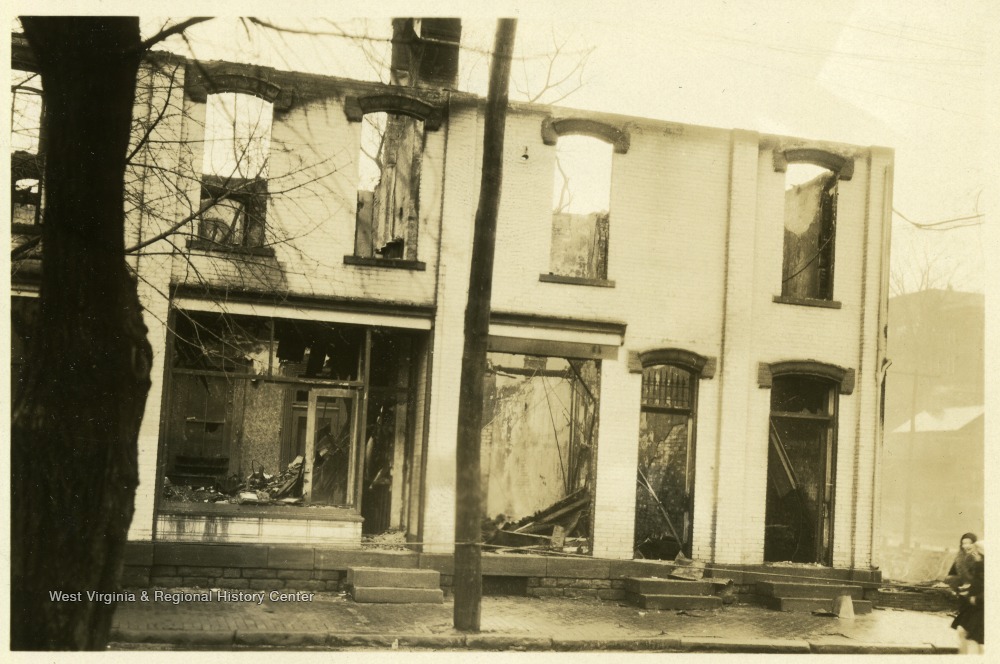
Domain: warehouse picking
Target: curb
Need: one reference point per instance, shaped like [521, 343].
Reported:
[723, 644]
[229, 639]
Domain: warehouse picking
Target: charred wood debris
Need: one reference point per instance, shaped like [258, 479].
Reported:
[562, 527]
[258, 488]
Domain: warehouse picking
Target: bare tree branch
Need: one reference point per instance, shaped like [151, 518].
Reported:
[177, 29]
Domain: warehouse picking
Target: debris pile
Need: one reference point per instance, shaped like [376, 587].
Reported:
[183, 493]
[393, 539]
[259, 488]
[561, 526]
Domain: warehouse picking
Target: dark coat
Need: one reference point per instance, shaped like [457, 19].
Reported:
[970, 615]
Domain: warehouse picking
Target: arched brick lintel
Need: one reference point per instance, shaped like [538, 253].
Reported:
[243, 84]
[616, 136]
[842, 166]
[356, 107]
[701, 365]
[844, 378]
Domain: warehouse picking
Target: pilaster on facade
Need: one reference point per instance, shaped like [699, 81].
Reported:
[617, 459]
[735, 374]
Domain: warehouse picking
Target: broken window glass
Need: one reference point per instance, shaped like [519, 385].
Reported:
[220, 342]
[392, 148]
[26, 150]
[269, 410]
[800, 471]
[234, 211]
[810, 228]
[581, 200]
[665, 479]
[234, 170]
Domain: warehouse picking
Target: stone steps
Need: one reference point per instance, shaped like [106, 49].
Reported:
[657, 593]
[814, 604]
[793, 596]
[394, 586]
[817, 590]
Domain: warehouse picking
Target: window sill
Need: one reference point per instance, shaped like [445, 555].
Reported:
[807, 302]
[216, 247]
[396, 263]
[578, 281]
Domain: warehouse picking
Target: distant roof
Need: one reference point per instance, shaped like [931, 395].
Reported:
[946, 419]
[965, 298]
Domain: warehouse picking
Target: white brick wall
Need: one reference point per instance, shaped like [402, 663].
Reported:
[617, 459]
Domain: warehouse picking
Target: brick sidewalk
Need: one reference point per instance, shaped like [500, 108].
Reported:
[335, 622]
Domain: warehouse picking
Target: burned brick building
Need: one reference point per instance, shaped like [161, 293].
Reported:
[685, 354]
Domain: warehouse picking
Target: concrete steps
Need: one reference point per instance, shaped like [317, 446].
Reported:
[656, 593]
[788, 596]
[377, 585]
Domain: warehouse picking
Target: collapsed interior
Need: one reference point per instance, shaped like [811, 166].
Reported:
[392, 148]
[538, 438]
[272, 411]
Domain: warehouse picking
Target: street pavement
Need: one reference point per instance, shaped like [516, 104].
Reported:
[332, 621]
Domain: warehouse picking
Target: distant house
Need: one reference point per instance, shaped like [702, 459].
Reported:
[694, 363]
[934, 410]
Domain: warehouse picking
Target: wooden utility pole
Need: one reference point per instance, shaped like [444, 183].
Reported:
[468, 494]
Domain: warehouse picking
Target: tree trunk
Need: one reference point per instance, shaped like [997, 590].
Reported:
[76, 423]
[468, 495]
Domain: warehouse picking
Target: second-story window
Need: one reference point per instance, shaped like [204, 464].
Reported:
[26, 147]
[581, 202]
[810, 232]
[234, 170]
[388, 213]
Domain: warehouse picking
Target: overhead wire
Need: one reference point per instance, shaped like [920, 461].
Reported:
[969, 220]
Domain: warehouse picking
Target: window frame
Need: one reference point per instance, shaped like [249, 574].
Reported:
[842, 168]
[252, 194]
[827, 489]
[427, 108]
[619, 137]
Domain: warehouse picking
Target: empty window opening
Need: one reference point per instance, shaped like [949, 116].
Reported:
[800, 470]
[237, 136]
[581, 202]
[388, 212]
[25, 198]
[234, 170]
[665, 479]
[810, 230]
[538, 438]
[26, 147]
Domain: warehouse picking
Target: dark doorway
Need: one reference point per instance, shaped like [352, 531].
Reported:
[800, 471]
[665, 477]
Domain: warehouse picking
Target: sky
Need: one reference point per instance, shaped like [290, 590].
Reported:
[916, 76]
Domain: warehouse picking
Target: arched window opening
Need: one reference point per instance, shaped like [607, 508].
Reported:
[388, 212]
[665, 479]
[581, 202]
[234, 170]
[810, 232]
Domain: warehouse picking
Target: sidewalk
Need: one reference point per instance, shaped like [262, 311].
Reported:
[334, 622]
